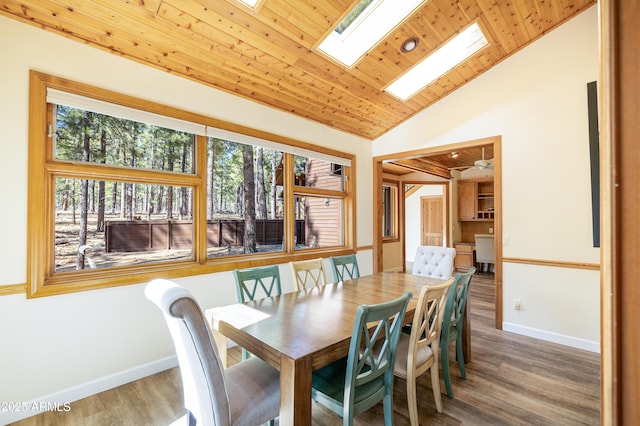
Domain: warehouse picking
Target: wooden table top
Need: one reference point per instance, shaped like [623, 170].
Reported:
[317, 322]
[300, 332]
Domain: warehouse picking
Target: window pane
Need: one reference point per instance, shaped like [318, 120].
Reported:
[124, 224]
[97, 138]
[388, 209]
[226, 201]
[318, 222]
[314, 173]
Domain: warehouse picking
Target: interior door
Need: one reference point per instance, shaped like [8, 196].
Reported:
[432, 223]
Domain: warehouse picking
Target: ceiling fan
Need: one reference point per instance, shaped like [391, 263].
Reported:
[483, 164]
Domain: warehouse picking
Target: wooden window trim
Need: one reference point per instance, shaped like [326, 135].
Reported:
[41, 280]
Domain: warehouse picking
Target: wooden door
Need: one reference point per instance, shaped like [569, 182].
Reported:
[432, 226]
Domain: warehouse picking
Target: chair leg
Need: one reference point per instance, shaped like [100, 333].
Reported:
[445, 371]
[460, 354]
[388, 409]
[412, 401]
[435, 385]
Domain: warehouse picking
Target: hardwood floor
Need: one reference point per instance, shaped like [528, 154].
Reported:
[511, 380]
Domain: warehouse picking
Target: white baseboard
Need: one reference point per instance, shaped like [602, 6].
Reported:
[59, 401]
[549, 336]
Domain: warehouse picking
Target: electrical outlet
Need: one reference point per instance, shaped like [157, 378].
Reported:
[491, 230]
[505, 240]
[517, 304]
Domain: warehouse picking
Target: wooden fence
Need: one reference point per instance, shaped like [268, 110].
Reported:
[148, 235]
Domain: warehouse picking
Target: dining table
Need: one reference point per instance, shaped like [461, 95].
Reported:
[302, 331]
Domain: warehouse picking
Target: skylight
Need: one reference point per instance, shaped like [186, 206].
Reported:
[250, 3]
[439, 62]
[364, 28]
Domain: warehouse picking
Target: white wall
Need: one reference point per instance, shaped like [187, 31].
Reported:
[65, 347]
[412, 218]
[537, 101]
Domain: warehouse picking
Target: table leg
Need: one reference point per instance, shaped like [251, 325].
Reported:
[221, 344]
[295, 391]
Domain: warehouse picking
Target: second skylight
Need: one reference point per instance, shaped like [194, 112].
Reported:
[439, 62]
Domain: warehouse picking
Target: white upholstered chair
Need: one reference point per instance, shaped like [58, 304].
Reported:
[434, 262]
[485, 252]
[247, 393]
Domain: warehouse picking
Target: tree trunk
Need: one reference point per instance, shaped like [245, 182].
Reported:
[239, 207]
[210, 181]
[123, 201]
[123, 191]
[261, 196]
[84, 192]
[114, 197]
[92, 197]
[160, 198]
[66, 196]
[74, 203]
[101, 184]
[132, 187]
[249, 241]
[169, 188]
[184, 201]
[274, 185]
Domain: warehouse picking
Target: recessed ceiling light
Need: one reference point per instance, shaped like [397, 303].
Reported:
[409, 44]
[439, 62]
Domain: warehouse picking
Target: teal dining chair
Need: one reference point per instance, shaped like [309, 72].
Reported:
[452, 325]
[352, 385]
[257, 283]
[344, 267]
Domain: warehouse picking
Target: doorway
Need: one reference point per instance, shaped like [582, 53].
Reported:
[424, 154]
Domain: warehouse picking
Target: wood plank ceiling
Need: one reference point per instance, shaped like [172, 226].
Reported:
[269, 55]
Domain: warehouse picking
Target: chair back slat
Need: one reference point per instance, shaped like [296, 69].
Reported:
[344, 267]
[257, 283]
[308, 272]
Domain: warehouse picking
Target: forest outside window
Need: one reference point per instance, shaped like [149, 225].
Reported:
[119, 195]
[228, 213]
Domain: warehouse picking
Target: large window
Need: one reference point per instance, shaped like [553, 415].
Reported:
[122, 191]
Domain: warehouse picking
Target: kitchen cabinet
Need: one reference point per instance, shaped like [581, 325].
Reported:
[475, 200]
[464, 256]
